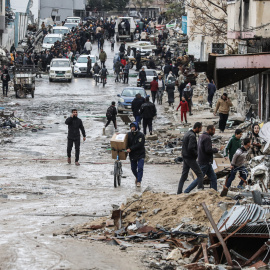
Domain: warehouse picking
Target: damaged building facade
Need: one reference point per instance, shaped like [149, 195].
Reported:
[249, 30]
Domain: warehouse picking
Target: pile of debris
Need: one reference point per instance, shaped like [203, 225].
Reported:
[174, 226]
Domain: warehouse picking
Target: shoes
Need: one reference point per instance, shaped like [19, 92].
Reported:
[138, 184]
[136, 181]
[191, 114]
[240, 187]
[69, 160]
[151, 133]
[77, 163]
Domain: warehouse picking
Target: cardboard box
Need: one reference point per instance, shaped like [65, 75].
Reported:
[119, 142]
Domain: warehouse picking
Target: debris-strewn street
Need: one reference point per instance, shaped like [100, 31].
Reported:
[134, 137]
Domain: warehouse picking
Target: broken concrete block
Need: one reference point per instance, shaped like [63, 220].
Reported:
[152, 137]
[175, 255]
[155, 211]
[109, 222]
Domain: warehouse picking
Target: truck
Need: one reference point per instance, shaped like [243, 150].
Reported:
[125, 28]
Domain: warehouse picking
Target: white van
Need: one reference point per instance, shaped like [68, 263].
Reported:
[122, 31]
[50, 39]
[63, 30]
[73, 20]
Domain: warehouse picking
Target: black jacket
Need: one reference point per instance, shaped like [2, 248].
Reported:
[205, 150]
[138, 57]
[167, 69]
[136, 105]
[5, 78]
[148, 110]
[74, 127]
[189, 146]
[136, 145]
[142, 76]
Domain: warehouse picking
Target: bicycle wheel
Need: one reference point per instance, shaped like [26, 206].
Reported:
[115, 173]
[119, 173]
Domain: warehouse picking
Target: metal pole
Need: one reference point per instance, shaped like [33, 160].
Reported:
[219, 236]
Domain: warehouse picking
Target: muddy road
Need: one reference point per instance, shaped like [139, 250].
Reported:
[41, 194]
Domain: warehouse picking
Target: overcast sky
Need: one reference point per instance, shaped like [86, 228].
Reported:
[21, 5]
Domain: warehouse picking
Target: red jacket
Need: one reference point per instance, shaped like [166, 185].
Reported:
[154, 86]
[184, 106]
[124, 62]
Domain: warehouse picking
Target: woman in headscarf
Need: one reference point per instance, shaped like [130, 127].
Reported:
[256, 145]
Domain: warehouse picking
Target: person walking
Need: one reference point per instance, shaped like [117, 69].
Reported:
[154, 89]
[205, 158]
[111, 115]
[148, 111]
[211, 92]
[161, 88]
[112, 40]
[126, 72]
[136, 106]
[118, 66]
[142, 78]
[238, 164]
[188, 94]
[223, 107]
[184, 109]
[136, 152]
[89, 66]
[75, 125]
[101, 42]
[5, 78]
[88, 46]
[190, 154]
[102, 57]
[170, 87]
[138, 60]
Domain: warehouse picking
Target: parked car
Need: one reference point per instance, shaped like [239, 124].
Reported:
[50, 39]
[71, 25]
[80, 67]
[60, 69]
[63, 30]
[73, 20]
[127, 96]
[150, 74]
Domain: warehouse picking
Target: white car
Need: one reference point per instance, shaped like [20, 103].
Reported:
[60, 69]
[173, 23]
[71, 25]
[50, 39]
[150, 75]
[80, 67]
[73, 20]
[63, 30]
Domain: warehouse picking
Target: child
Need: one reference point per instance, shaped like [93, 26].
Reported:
[112, 43]
[184, 109]
[234, 143]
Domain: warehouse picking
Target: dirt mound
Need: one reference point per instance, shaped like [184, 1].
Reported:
[170, 210]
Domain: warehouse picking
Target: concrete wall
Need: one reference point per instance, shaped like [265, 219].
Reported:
[8, 36]
[65, 8]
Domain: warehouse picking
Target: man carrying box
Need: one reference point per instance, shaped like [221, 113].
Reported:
[136, 152]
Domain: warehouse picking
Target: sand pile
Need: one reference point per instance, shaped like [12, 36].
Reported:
[169, 210]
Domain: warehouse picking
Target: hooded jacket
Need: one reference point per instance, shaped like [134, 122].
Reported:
[74, 126]
[232, 146]
[136, 142]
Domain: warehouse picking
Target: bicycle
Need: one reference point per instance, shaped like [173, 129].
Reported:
[104, 80]
[118, 169]
[96, 77]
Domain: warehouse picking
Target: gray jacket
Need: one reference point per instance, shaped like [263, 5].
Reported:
[240, 157]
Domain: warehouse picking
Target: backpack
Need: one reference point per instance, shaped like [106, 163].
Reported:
[109, 112]
[104, 72]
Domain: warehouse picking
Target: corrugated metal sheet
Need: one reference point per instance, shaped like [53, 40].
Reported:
[239, 214]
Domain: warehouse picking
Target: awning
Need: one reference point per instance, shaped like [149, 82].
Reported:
[229, 69]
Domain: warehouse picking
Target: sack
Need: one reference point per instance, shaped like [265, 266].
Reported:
[109, 112]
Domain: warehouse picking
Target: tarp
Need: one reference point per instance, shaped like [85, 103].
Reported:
[265, 132]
